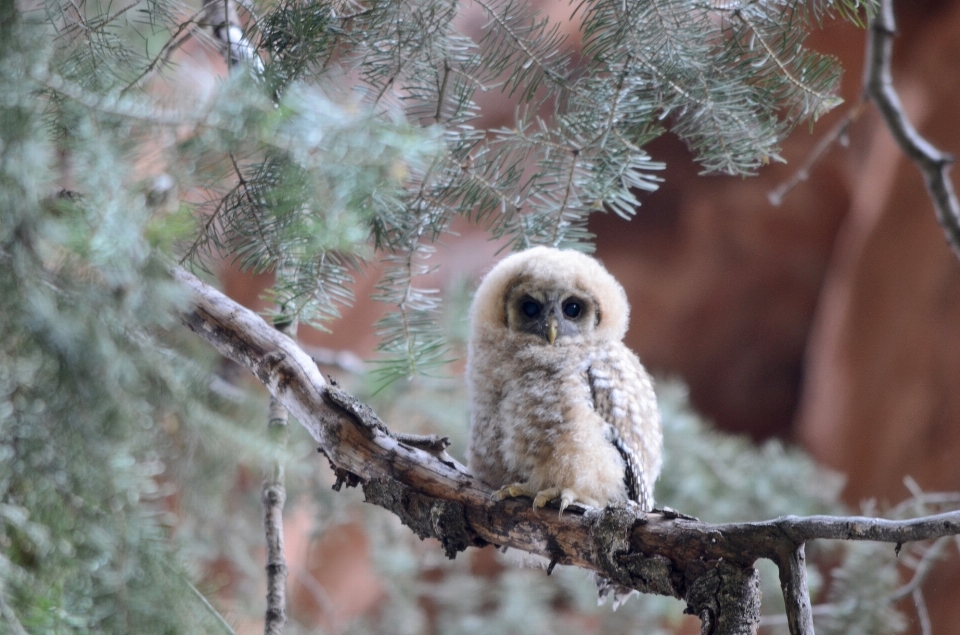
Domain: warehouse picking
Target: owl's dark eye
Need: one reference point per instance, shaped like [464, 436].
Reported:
[530, 308]
[572, 309]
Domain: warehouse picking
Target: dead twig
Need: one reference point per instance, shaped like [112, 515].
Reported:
[932, 163]
[835, 134]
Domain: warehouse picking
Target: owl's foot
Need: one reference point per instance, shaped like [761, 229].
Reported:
[541, 498]
[514, 490]
[566, 496]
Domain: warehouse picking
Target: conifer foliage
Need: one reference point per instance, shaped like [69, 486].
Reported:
[346, 131]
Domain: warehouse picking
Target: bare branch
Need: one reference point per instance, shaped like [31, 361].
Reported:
[838, 132]
[923, 616]
[933, 164]
[923, 569]
[710, 566]
[796, 596]
[274, 496]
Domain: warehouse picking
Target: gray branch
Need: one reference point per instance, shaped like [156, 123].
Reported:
[710, 566]
[273, 497]
[933, 164]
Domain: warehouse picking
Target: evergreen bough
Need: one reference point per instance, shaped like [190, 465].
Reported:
[346, 132]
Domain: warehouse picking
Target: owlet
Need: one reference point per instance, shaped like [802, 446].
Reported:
[561, 408]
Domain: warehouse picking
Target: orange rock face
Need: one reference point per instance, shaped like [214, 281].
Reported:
[835, 318]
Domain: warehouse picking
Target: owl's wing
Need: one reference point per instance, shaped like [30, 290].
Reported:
[623, 396]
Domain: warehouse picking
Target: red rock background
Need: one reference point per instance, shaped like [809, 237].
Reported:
[832, 320]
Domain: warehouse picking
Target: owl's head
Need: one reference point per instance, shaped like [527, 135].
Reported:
[556, 296]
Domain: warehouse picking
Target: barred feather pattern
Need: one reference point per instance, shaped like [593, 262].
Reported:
[574, 419]
[623, 396]
[561, 409]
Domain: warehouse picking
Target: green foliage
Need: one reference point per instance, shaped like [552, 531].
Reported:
[354, 140]
[351, 133]
[730, 79]
[86, 378]
[724, 478]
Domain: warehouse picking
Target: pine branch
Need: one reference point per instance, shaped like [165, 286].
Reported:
[10, 617]
[183, 33]
[531, 45]
[932, 163]
[710, 566]
[822, 99]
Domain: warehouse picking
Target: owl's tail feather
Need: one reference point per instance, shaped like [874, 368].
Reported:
[521, 558]
[607, 589]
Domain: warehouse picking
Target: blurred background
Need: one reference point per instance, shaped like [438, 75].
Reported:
[830, 323]
[807, 356]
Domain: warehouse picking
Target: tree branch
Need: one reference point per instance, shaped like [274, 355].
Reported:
[933, 164]
[273, 497]
[710, 566]
[837, 133]
[796, 596]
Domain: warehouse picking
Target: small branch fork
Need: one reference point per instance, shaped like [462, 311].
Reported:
[878, 88]
[933, 164]
[710, 566]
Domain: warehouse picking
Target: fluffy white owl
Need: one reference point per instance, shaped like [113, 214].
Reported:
[560, 407]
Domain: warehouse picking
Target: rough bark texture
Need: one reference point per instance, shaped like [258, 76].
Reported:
[708, 565]
[273, 498]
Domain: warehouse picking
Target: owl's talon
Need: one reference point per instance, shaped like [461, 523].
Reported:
[545, 496]
[567, 498]
[510, 491]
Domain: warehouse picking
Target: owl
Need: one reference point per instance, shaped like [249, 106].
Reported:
[561, 409]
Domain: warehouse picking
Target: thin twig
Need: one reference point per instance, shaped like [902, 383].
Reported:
[172, 44]
[923, 568]
[274, 495]
[932, 163]
[781, 619]
[910, 588]
[216, 614]
[316, 590]
[839, 131]
[796, 596]
[923, 499]
[923, 616]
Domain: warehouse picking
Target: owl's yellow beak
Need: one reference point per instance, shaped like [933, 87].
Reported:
[552, 327]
